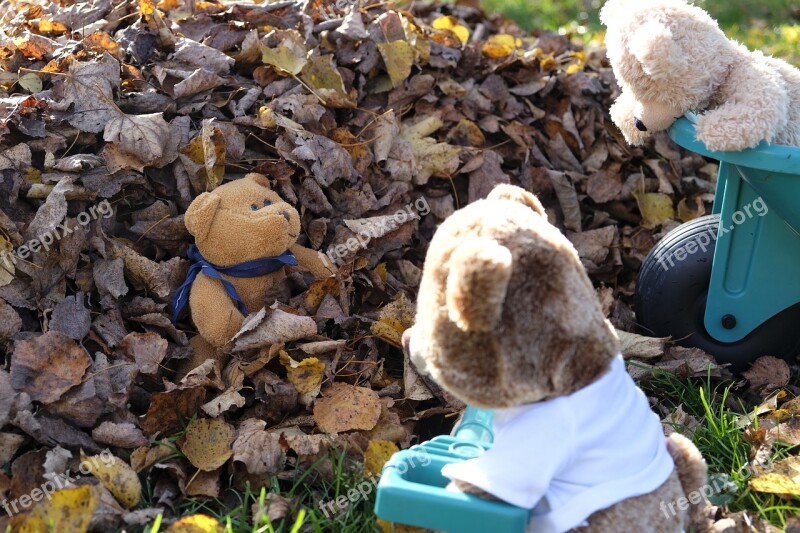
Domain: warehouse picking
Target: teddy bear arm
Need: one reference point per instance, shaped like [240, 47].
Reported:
[755, 108]
[622, 116]
[213, 312]
[648, 512]
[313, 261]
[469, 488]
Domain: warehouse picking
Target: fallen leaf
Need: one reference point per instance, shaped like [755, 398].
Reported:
[278, 327]
[115, 475]
[768, 372]
[47, 366]
[196, 524]
[346, 407]
[207, 443]
[65, 510]
[783, 479]
[259, 450]
[376, 455]
[398, 56]
[288, 55]
[656, 208]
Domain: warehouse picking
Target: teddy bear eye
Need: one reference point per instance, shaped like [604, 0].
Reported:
[267, 202]
[254, 207]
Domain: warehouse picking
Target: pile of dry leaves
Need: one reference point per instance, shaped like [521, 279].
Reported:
[116, 114]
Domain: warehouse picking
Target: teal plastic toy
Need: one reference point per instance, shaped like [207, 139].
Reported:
[412, 489]
[729, 283]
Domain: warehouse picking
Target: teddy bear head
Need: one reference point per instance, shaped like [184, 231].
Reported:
[242, 220]
[506, 314]
[668, 56]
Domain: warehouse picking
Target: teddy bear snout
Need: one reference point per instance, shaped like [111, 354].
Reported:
[285, 215]
[639, 124]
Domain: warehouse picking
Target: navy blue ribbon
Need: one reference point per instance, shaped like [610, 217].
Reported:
[248, 269]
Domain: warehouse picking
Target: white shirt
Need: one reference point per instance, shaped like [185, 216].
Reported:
[571, 456]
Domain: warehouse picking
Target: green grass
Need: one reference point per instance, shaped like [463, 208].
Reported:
[306, 489]
[769, 25]
[721, 440]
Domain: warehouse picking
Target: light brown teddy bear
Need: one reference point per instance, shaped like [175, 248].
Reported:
[245, 234]
[670, 57]
[507, 319]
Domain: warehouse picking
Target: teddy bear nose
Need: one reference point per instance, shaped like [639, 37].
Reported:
[639, 124]
[285, 215]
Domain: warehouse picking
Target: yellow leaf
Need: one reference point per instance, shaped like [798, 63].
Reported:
[347, 407]
[116, 476]
[655, 207]
[306, 375]
[289, 55]
[380, 270]
[318, 290]
[452, 24]
[574, 67]
[376, 455]
[784, 479]
[207, 443]
[547, 62]
[389, 527]
[389, 330]
[147, 7]
[196, 524]
[687, 213]
[321, 74]
[398, 57]
[67, 510]
[208, 149]
[500, 45]
[50, 26]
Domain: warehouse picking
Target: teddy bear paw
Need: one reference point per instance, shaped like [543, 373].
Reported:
[725, 135]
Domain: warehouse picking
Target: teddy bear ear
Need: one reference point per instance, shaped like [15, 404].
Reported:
[477, 281]
[655, 47]
[261, 179]
[517, 194]
[200, 214]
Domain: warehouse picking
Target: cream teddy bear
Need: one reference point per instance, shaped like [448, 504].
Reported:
[670, 57]
[507, 319]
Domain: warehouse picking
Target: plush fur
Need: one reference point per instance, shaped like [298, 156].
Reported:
[231, 225]
[506, 315]
[670, 57]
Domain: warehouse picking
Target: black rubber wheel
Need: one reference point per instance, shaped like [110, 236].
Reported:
[671, 296]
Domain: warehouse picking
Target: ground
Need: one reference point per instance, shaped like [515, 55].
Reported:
[117, 114]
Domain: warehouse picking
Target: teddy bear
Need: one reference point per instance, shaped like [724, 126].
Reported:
[245, 234]
[670, 57]
[508, 320]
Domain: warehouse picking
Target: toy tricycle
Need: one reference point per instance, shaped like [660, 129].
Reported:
[412, 489]
[728, 282]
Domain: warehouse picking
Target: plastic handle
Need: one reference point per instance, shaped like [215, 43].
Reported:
[475, 426]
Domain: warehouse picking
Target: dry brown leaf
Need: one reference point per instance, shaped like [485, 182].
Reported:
[259, 450]
[768, 372]
[278, 327]
[47, 366]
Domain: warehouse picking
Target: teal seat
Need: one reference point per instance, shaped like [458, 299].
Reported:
[412, 489]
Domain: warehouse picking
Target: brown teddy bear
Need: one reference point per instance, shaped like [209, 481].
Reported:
[507, 319]
[245, 234]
